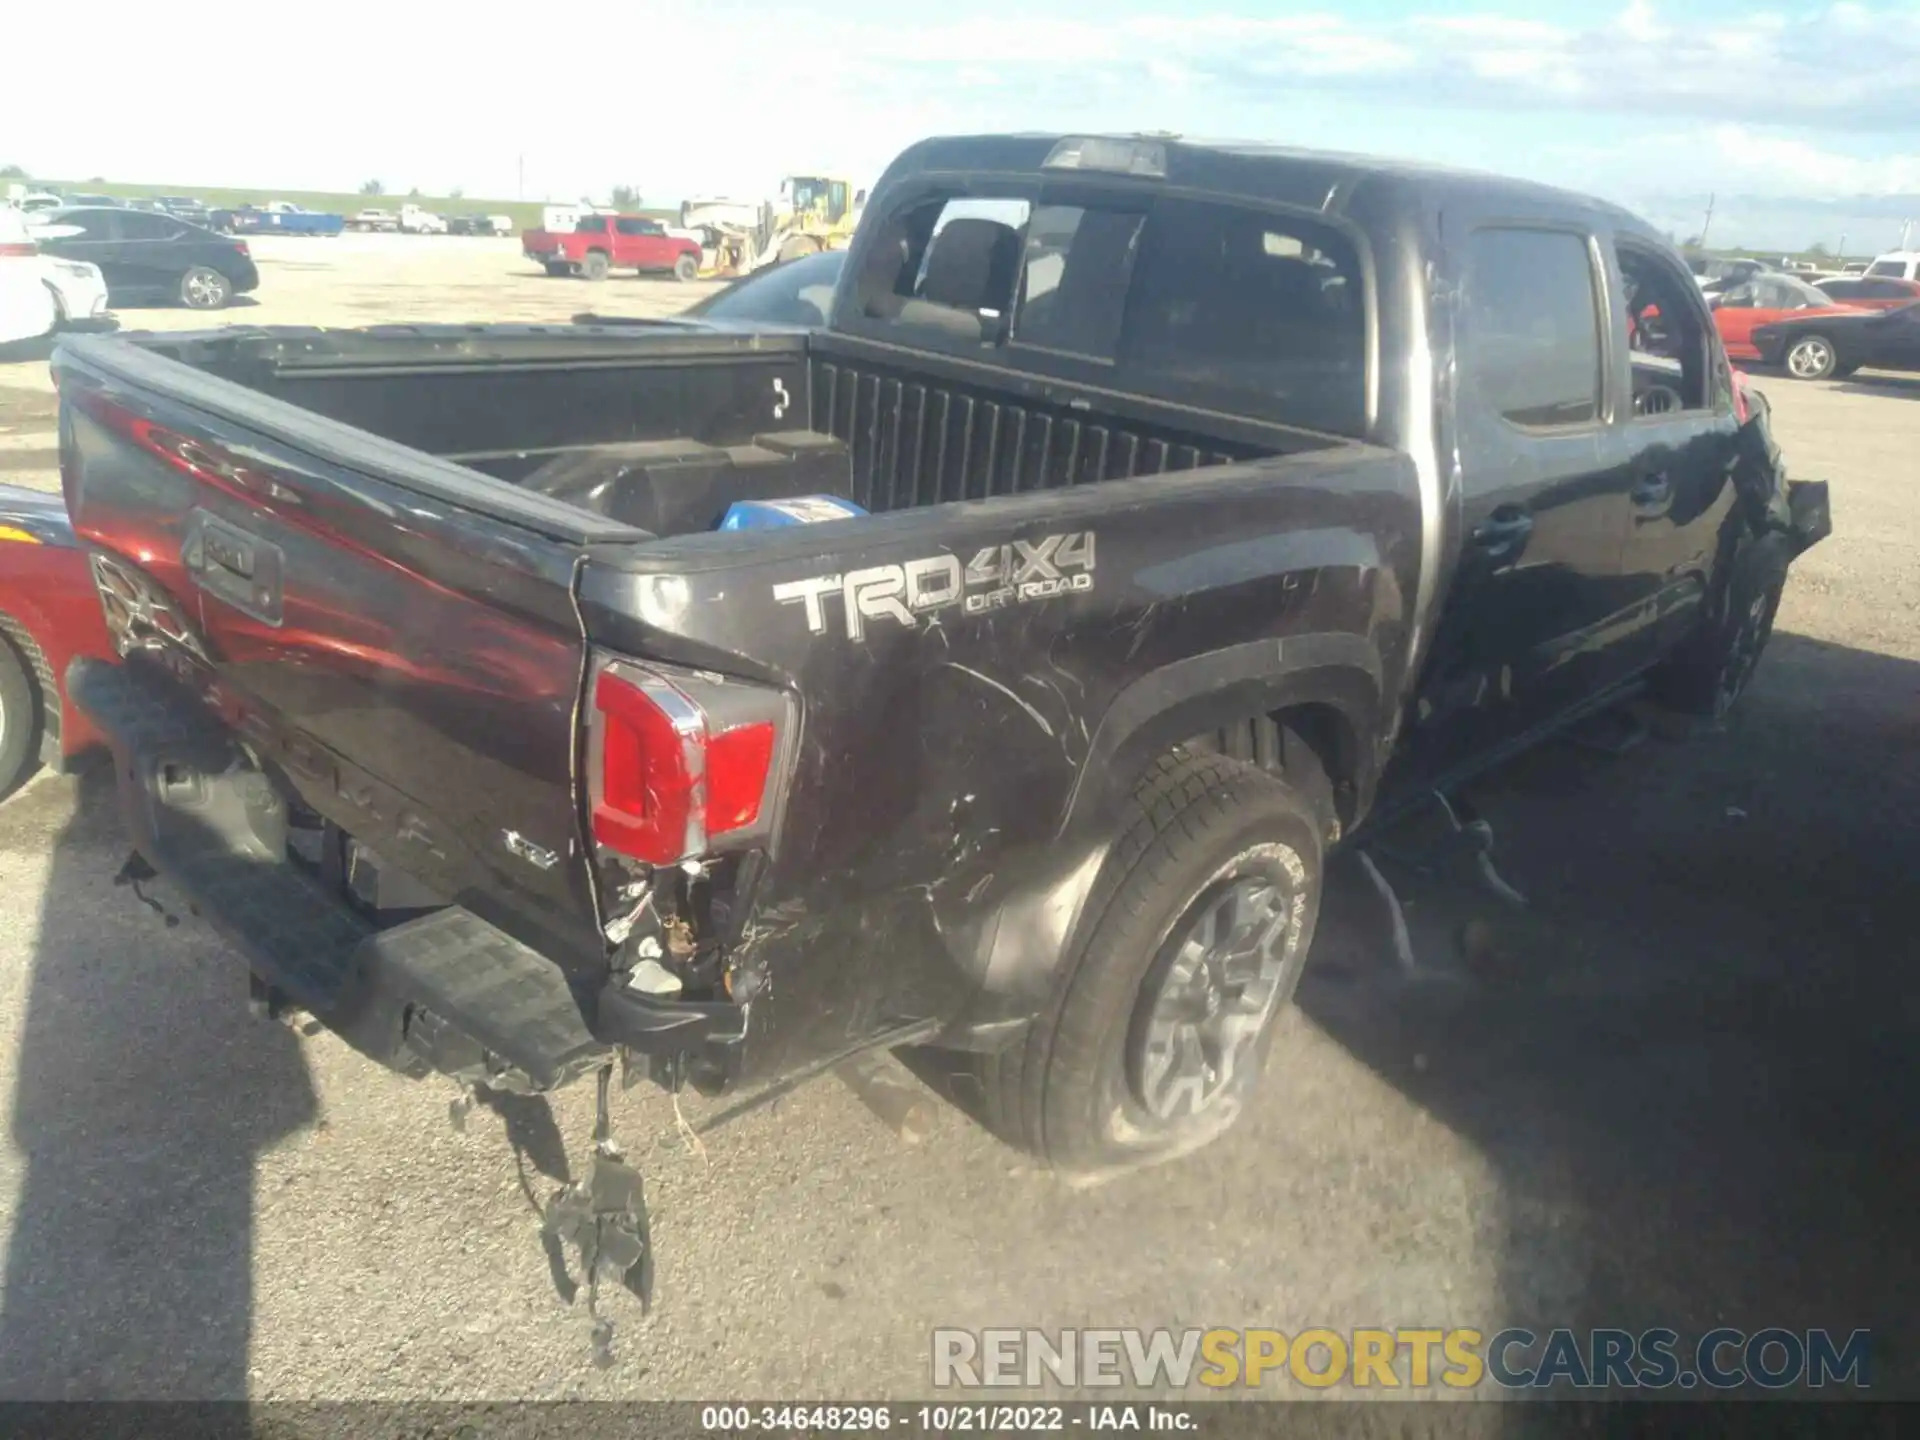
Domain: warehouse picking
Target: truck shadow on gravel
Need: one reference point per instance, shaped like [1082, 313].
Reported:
[145, 1092]
[1695, 1060]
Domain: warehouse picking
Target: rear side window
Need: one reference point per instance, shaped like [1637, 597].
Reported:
[1200, 302]
[1075, 278]
[1244, 309]
[1895, 268]
[1530, 342]
[136, 225]
[94, 224]
[637, 227]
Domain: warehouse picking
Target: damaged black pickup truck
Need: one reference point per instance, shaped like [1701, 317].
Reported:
[1184, 504]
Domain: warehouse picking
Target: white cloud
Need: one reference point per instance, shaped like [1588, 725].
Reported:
[1782, 163]
[1638, 22]
[729, 93]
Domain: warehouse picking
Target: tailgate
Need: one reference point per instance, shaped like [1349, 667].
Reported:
[394, 635]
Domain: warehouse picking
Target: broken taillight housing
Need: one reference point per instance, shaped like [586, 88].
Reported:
[682, 766]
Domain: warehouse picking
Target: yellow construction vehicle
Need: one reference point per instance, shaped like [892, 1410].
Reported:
[811, 213]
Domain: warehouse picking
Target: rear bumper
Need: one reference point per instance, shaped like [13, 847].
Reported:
[83, 298]
[447, 992]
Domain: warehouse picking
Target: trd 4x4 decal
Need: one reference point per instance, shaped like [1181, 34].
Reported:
[998, 576]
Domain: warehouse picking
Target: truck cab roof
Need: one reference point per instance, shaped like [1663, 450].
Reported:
[1324, 180]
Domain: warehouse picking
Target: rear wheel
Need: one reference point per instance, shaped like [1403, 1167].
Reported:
[1159, 1030]
[202, 288]
[686, 268]
[1711, 671]
[1811, 357]
[19, 716]
[596, 265]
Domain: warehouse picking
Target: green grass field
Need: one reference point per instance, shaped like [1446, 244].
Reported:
[525, 213]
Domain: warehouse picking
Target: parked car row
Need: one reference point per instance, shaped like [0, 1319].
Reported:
[275, 217]
[414, 220]
[1816, 325]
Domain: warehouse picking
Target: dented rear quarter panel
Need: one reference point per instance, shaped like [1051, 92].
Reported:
[948, 803]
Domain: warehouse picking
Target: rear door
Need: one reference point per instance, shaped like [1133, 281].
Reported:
[1678, 433]
[592, 232]
[630, 246]
[642, 244]
[1545, 494]
[153, 251]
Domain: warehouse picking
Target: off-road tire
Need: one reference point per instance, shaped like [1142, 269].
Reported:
[1708, 674]
[19, 717]
[1192, 822]
[596, 265]
[686, 268]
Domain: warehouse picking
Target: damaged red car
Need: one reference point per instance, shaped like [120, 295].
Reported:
[1739, 311]
[49, 614]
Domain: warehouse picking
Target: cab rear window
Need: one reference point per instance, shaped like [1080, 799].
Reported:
[1201, 302]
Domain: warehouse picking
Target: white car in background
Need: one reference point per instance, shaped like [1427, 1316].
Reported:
[41, 293]
[416, 221]
[1896, 265]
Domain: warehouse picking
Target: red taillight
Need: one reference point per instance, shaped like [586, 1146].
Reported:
[241, 246]
[737, 765]
[19, 248]
[1741, 409]
[672, 777]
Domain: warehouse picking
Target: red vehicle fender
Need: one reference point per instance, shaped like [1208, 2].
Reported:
[50, 612]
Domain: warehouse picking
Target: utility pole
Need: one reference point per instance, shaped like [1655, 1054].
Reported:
[1841, 255]
[1707, 224]
[1905, 226]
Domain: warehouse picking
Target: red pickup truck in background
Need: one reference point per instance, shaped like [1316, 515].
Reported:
[600, 243]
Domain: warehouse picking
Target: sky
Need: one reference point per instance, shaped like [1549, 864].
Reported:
[1802, 120]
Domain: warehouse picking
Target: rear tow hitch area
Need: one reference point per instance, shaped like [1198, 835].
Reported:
[603, 1216]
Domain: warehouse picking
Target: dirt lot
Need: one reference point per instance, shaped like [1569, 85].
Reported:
[348, 280]
[1681, 1095]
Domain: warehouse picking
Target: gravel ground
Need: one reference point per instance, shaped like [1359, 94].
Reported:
[1680, 1094]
